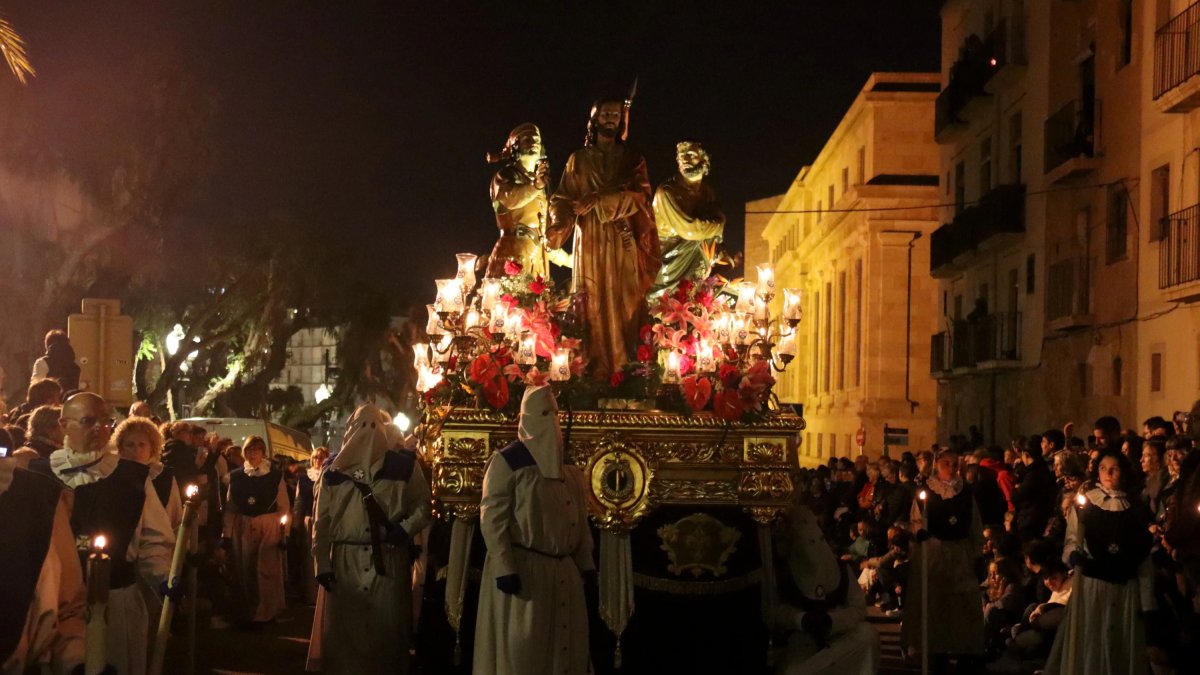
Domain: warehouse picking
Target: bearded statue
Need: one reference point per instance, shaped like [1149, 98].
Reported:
[690, 222]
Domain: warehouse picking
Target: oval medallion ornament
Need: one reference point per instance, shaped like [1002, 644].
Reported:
[618, 478]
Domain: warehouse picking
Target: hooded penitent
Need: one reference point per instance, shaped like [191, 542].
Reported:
[811, 562]
[364, 444]
[538, 429]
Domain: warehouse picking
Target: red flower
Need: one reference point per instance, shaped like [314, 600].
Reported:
[537, 286]
[705, 300]
[697, 391]
[729, 375]
[496, 393]
[728, 405]
[646, 334]
[508, 301]
[616, 379]
[645, 353]
[512, 268]
[685, 364]
[484, 369]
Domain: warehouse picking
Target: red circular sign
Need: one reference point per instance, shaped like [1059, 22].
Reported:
[860, 438]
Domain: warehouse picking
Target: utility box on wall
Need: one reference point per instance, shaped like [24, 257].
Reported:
[103, 341]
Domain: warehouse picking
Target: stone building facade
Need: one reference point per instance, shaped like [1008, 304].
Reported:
[852, 232]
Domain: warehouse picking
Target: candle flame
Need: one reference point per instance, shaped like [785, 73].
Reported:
[283, 519]
[100, 542]
[191, 490]
[921, 495]
[1081, 499]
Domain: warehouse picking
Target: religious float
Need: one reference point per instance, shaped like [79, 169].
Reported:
[687, 454]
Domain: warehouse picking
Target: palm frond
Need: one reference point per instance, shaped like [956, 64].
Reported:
[12, 45]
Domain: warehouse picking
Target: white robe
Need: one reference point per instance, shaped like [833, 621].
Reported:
[536, 528]
[1102, 632]
[363, 626]
[853, 647]
[151, 548]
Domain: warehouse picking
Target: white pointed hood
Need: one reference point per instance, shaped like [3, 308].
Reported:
[812, 564]
[538, 430]
[364, 444]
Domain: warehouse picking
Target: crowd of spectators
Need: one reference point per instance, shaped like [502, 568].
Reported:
[1031, 499]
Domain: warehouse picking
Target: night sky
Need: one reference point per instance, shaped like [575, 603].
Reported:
[369, 121]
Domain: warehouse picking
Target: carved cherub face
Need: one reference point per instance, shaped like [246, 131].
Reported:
[692, 160]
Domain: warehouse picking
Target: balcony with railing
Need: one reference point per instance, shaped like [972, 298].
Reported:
[998, 215]
[1179, 254]
[976, 64]
[1006, 49]
[1177, 62]
[1068, 300]
[1072, 137]
[989, 342]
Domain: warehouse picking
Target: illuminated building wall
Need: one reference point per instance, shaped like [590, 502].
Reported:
[863, 352]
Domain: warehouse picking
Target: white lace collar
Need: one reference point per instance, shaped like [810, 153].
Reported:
[314, 473]
[1109, 500]
[945, 489]
[263, 468]
[80, 468]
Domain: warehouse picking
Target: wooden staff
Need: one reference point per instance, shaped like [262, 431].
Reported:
[173, 580]
[99, 567]
[924, 591]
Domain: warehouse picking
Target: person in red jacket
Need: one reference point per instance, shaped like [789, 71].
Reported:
[1004, 476]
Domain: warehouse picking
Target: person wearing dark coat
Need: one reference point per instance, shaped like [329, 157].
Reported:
[1034, 496]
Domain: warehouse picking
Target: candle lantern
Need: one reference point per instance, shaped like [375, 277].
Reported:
[466, 270]
[527, 354]
[420, 355]
[787, 346]
[515, 324]
[499, 319]
[671, 375]
[560, 365]
[791, 305]
[761, 311]
[745, 300]
[472, 319]
[705, 363]
[489, 294]
[740, 331]
[766, 281]
[434, 325]
[442, 353]
[450, 295]
[721, 327]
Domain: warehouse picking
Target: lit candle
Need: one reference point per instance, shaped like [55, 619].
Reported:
[745, 300]
[99, 567]
[420, 355]
[791, 304]
[761, 311]
[427, 378]
[434, 325]
[472, 319]
[741, 332]
[515, 325]
[489, 294]
[787, 344]
[283, 528]
[466, 270]
[449, 296]
[499, 317]
[671, 376]
[721, 328]
[766, 280]
[1081, 500]
[560, 365]
[190, 503]
[705, 363]
[527, 355]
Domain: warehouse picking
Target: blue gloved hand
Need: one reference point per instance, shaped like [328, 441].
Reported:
[174, 593]
[509, 584]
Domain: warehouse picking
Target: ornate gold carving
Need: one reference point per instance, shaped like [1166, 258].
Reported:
[766, 451]
[698, 543]
[696, 491]
[633, 419]
[765, 484]
[765, 515]
[693, 453]
[464, 511]
[465, 447]
[682, 587]
[458, 479]
[619, 479]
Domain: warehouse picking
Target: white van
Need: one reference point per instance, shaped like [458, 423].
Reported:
[280, 439]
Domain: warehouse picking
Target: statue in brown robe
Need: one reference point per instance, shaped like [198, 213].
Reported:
[604, 200]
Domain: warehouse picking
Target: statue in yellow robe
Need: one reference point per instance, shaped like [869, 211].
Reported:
[518, 194]
[690, 221]
[604, 200]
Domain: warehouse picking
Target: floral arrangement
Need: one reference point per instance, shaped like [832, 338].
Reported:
[701, 350]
